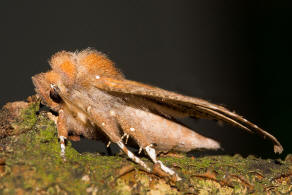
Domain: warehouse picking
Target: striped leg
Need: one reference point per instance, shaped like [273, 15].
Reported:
[62, 143]
[132, 156]
[152, 154]
[62, 131]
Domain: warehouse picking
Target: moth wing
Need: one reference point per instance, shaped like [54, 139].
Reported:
[189, 106]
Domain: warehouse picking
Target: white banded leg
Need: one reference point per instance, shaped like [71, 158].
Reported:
[62, 142]
[62, 139]
[125, 136]
[132, 156]
[152, 154]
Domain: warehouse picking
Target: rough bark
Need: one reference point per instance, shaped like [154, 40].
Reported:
[30, 163]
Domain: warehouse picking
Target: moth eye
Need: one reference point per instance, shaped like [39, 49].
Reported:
[54, 95]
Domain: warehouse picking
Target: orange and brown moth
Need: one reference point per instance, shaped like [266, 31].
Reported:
[93, 99]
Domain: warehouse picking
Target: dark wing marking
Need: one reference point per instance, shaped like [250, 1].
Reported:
[190, 106]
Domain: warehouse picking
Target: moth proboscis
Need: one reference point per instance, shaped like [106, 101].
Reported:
[93, 99]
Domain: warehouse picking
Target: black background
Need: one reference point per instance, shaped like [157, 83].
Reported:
[233, 53]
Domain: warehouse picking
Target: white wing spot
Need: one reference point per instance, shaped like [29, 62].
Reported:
[97, 77]
[132, 129]
[103, 124]
[112, 113]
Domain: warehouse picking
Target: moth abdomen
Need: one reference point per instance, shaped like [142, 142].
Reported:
[148, 128]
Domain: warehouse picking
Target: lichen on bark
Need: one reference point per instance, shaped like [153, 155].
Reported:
[30, 163]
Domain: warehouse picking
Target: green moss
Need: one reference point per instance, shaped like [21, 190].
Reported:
[34, 165]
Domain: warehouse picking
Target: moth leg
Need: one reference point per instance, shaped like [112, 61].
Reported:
[126, 135]
[107, 124]
[113, 137]
[152, 154]
[132, 156]
[62, 131]
[110, 127]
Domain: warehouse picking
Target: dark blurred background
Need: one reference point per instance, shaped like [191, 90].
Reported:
[233, 53]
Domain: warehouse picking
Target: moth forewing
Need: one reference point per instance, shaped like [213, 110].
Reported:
[192, 106]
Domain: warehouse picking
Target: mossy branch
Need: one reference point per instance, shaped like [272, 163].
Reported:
[30, 162]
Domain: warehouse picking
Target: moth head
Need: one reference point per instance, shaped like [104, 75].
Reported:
[43, 86]
[62, 76]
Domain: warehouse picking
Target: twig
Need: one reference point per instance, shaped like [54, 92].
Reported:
[209, 175]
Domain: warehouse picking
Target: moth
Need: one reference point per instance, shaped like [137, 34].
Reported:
[94, 99]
